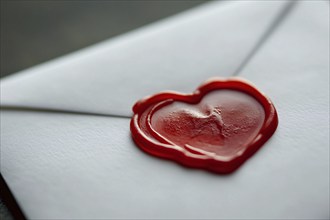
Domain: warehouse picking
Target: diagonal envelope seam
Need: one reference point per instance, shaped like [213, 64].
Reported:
[263, 39]
[285, 141]
[278, 20]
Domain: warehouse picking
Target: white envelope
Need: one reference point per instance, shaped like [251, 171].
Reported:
[66, 150]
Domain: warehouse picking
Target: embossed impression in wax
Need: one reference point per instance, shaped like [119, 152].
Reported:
[218, 127]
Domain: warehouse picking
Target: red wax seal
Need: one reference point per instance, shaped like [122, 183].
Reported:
[218, 127]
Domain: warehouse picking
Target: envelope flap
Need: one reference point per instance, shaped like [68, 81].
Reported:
[174, 54]
[77, 166]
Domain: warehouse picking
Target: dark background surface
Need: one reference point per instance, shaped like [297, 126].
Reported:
[33, 32]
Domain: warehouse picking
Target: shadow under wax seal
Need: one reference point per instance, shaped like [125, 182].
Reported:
[217, 128]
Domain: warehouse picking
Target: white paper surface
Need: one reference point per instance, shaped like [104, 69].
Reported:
[78, 166]
[175, 54]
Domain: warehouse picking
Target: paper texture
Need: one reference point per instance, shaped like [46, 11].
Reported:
[80, 166]
[175, 54]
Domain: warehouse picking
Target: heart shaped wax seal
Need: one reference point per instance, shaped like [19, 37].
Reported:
[218, 127]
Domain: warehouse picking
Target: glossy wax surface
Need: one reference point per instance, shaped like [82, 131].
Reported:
[222, 123]
[217, 127]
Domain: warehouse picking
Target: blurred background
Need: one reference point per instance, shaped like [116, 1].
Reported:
[35, 31]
